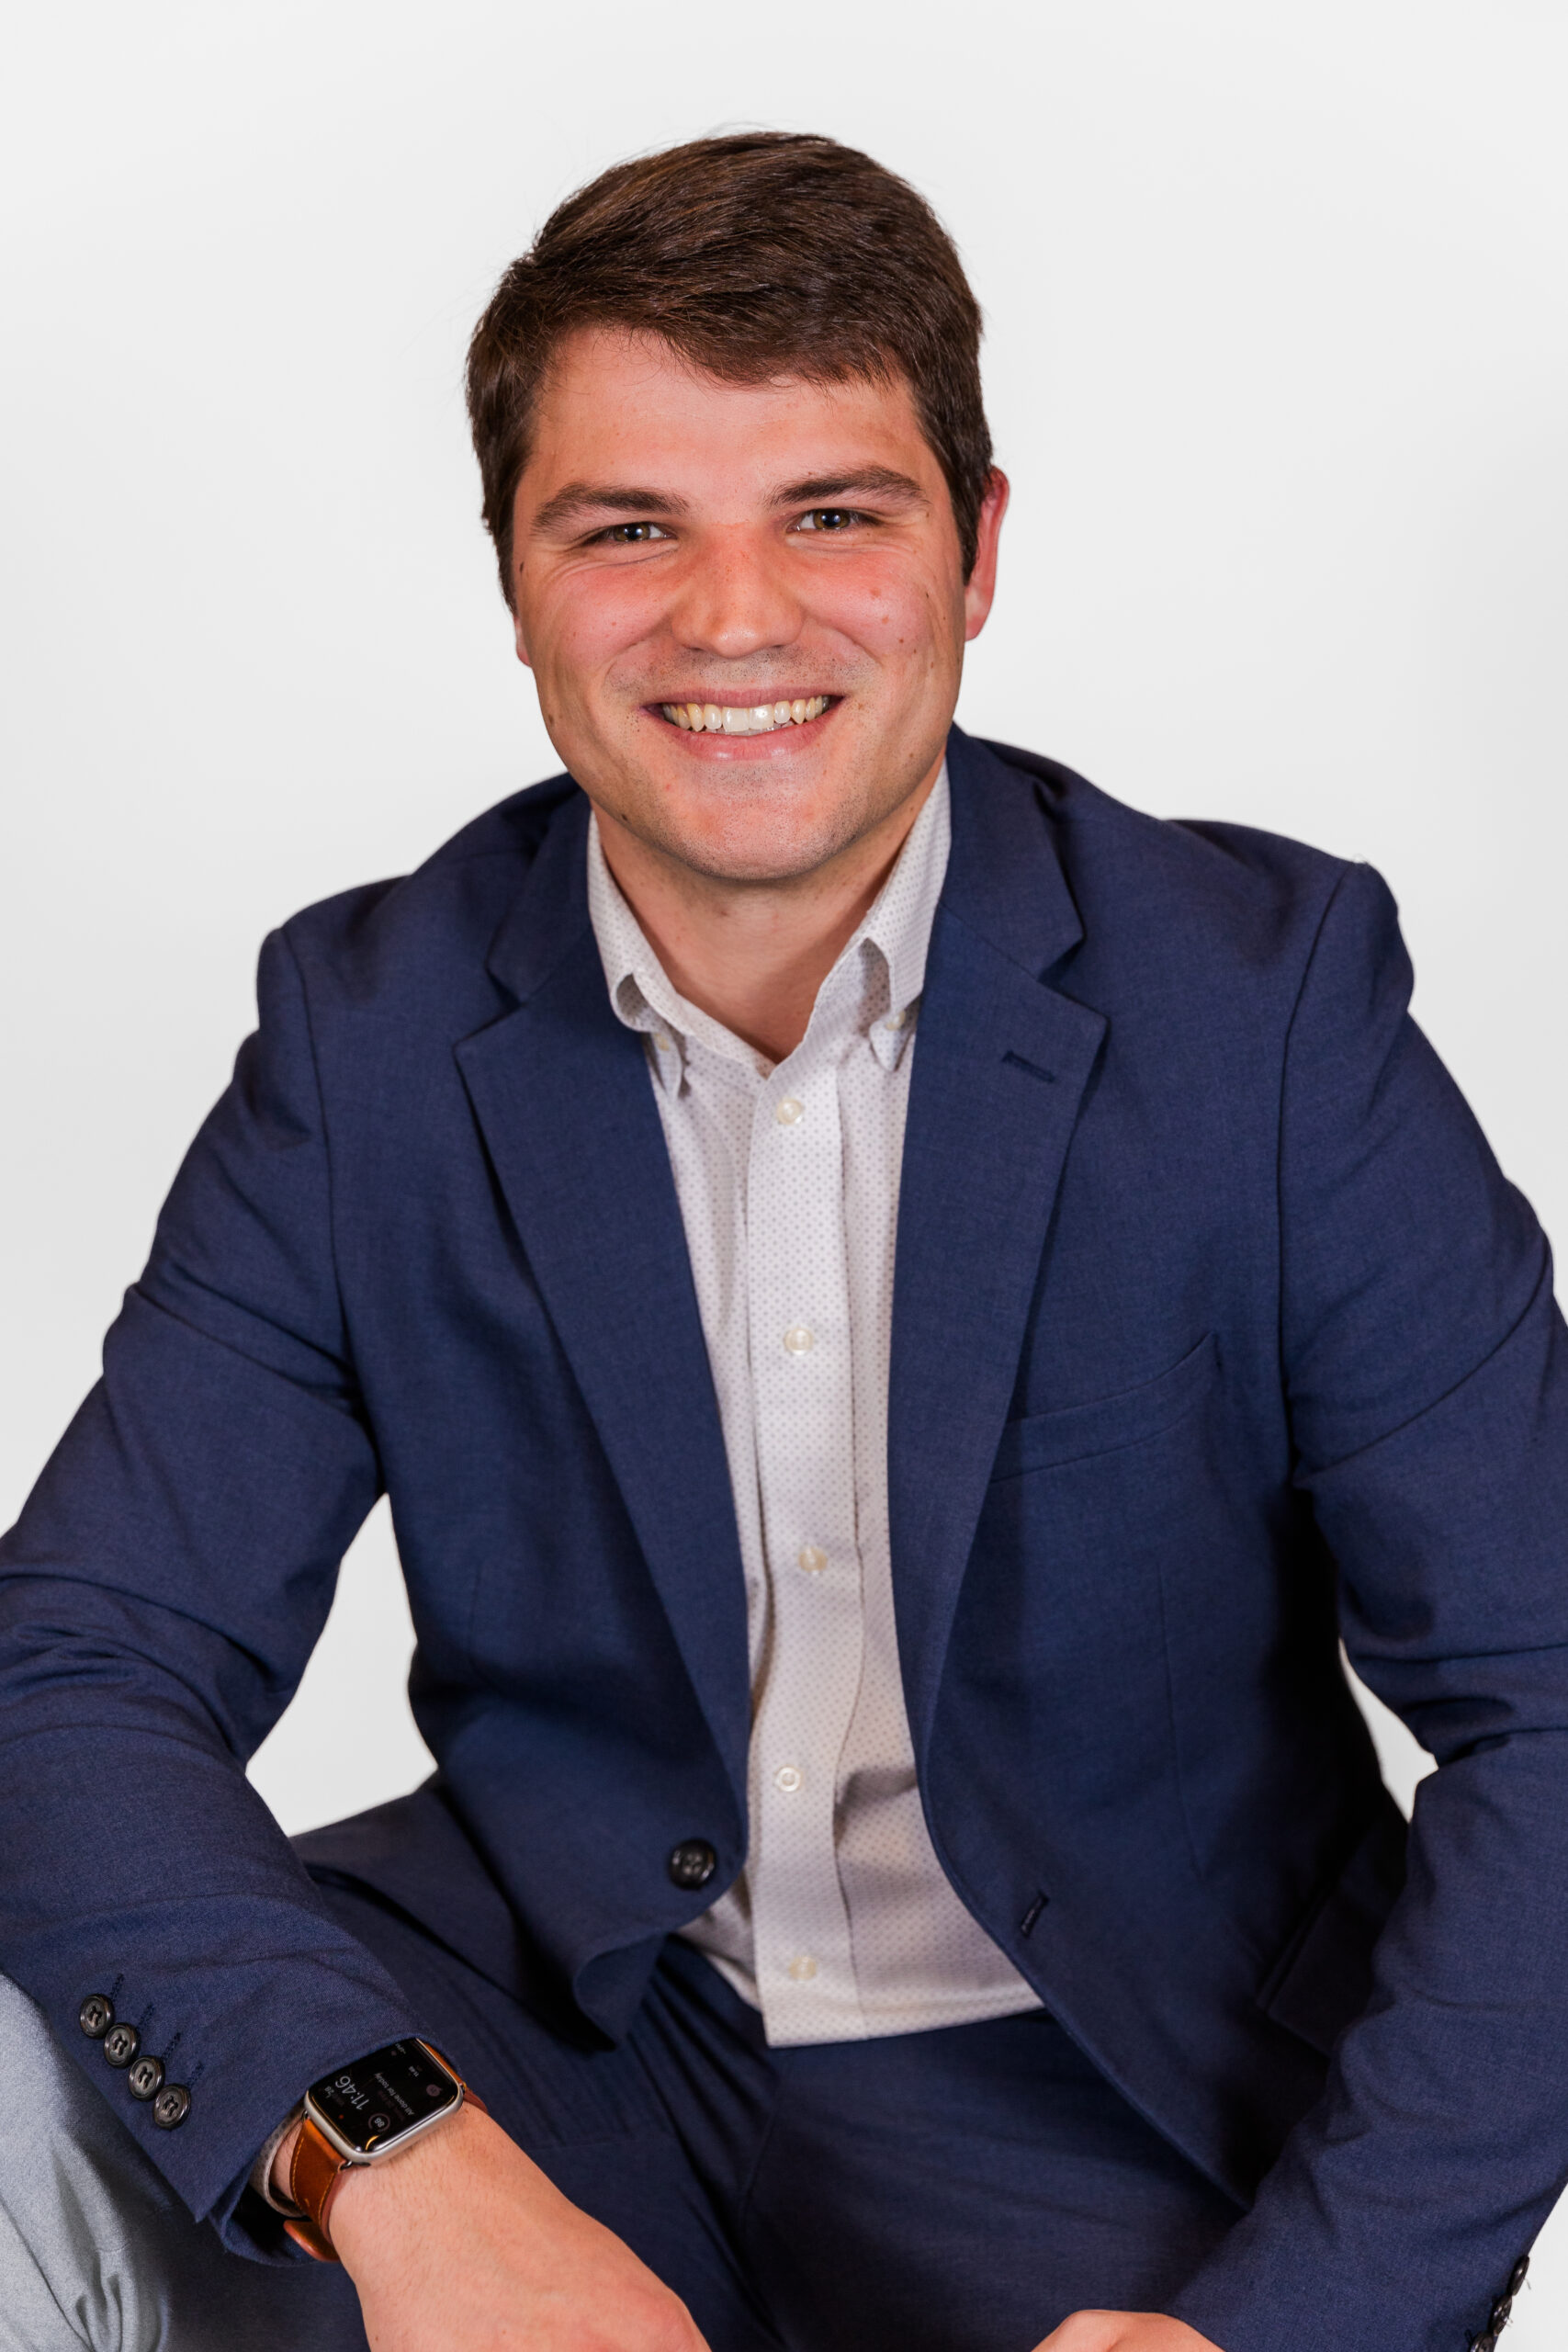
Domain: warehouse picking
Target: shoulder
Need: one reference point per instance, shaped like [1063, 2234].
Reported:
[1188, 857]
[1189, 894]
[420, 941]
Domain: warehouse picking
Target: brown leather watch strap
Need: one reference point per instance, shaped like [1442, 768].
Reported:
[315, 2175]
[316, 2170]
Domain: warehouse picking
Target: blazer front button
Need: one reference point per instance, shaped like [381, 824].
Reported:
[95, 2016]
[170, 2106]
[693, 1863]
[145, 2079]
[121, 2045]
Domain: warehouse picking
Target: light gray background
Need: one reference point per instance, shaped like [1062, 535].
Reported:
[1278, 359]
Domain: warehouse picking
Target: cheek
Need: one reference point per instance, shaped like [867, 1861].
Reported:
[890, 611]
[591, 620]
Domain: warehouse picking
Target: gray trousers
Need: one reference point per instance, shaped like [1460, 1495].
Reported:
[95, 2250]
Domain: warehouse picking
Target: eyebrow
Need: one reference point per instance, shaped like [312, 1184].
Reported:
[866, 481]
[580, 499]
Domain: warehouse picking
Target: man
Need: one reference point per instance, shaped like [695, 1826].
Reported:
[903, 1309]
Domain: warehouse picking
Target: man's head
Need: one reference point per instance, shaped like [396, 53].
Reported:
[728, 420]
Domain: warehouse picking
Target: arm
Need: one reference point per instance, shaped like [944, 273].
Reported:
[463, 2242]
[1428, 1379]
[158, 1601]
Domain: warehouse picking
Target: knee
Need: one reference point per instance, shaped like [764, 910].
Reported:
[32, 2064]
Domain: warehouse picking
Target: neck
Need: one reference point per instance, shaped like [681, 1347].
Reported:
[753, 954]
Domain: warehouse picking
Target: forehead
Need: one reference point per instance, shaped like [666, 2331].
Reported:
[624, 400]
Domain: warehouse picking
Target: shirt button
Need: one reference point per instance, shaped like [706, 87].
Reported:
[787, 1112]
[661, 1041]
[802, 1968]
[812, 1558]
[800, 1339]
[895, 1020]
[787, 1778]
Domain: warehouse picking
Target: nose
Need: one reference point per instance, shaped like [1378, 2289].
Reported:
[734, 601]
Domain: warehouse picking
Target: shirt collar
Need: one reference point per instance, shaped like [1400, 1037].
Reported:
[896, 929]
[900, 918]
[641, 992]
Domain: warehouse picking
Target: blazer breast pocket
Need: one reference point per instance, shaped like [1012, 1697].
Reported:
[1074, 1432]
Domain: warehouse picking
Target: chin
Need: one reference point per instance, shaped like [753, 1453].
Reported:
[740, 829]
[771, 854]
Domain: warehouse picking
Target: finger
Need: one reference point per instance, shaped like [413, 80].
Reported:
[1084, 2331]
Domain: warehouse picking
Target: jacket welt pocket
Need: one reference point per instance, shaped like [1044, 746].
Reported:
[1045, 1440]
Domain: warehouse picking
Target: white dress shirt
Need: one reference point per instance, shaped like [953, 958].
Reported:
[842, 1925]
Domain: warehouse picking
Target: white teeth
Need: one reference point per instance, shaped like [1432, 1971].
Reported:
[733, 718]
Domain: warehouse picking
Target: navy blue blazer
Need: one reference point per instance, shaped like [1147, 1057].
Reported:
[1217, 1337]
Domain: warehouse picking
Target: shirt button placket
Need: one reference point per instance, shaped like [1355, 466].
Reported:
[805, 1457]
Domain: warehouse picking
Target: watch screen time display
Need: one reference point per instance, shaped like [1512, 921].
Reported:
[386, 2093]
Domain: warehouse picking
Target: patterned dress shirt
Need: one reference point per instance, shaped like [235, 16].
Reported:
[842, 1925]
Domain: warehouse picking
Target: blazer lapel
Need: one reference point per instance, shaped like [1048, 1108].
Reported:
[1001, 1061]
[561, 1091]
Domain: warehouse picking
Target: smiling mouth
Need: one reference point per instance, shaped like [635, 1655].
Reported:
[743, 718]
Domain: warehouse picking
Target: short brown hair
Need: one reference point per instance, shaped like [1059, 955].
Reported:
[755, 255]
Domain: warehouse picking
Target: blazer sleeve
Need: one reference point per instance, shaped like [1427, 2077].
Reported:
[1427, 1383]
[159, 1599]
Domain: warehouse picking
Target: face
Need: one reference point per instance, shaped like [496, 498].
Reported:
[744, 605]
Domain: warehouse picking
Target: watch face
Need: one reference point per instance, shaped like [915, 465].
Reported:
[380, 2098]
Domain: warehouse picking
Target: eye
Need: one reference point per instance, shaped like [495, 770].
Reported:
[830, 519]
[632, 535]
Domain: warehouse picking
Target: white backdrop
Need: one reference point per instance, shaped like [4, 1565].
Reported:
[1278, 359]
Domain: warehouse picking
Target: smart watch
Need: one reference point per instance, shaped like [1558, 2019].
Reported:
[361, 2115]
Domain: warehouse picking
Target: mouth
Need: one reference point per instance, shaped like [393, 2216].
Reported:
[744, 718]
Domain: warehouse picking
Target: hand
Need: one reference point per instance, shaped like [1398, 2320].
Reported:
[462, 2244]
[1125, 2332]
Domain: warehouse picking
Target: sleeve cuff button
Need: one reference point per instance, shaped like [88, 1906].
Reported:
[145, 2079]
[170, 2106]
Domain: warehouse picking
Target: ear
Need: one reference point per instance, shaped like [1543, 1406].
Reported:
[981, 585]
[518, 638]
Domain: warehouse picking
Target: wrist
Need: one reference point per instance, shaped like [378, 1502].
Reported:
[375, 2202]
[366, 2115]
